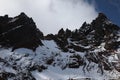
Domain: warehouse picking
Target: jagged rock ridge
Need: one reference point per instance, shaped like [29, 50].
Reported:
[19, 32]
[99, 31]
[92, 47]
[100, 34]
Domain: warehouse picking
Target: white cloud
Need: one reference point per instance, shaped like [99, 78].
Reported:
[51, 15]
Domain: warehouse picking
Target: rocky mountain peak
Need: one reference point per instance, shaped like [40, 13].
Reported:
[101, 30]
[19, 32]
[22, 14]
[101, 16]
[94, 48]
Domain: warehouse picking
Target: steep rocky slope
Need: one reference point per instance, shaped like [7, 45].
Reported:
[19, 31]
[90, 52]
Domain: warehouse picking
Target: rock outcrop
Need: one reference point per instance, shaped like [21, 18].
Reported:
[101, 35]
[94, 47]
[101, 30]
[19, 32]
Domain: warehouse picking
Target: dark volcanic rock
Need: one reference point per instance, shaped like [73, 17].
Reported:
[19, 32]
[5, 75]
[101, 30]
[77, 61]
[89, 38]
[93, 46]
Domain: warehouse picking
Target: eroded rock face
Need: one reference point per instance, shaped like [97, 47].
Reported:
[19, 32]
[101, 30]
[97, 40]
[87, 48]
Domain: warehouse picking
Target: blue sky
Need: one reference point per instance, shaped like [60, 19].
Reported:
[109, 7]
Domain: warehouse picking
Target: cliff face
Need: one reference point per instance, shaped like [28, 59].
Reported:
[91, 51]
[19, 32]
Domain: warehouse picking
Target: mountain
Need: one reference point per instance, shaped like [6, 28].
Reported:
[19, 31]
[91, 52]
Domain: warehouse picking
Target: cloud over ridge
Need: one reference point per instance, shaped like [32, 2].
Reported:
[51, 15]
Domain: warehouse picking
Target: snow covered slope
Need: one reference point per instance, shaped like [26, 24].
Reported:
[49, 63]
